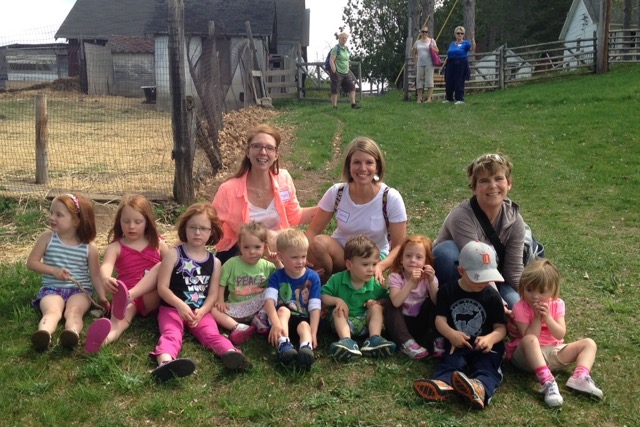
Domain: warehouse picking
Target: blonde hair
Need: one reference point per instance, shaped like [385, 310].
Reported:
[542, 276]
[291, 238]
[368, 146]
[459, 28]
[490, 164]
[253, 228]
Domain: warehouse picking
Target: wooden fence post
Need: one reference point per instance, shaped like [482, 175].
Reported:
[42, 139]
[183, 144]
[602, 61]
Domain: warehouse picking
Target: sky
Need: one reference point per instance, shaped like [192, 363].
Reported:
[36, 21]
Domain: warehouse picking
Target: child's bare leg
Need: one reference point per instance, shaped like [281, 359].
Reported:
[52, 307]
[223, 319]
[304, 332]
[283, 315]
[375, 319]
[151, 302]
[342, 325]
[583, 352]
[119, 326]
[147, 284]
[162, 358]
[531, 349]
[77, 306]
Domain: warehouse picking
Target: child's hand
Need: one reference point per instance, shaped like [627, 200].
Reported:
[459, 340]
[110, 284]
[105, 304]
[62, 274]
[371, 302]
[429, 273]
[221, 306]
[186, 314]
[341, 306]
[414, 278]
[198, 314]
[314, 341]
[269, 255]
[483, 344]
[275, 333]
[541, 309]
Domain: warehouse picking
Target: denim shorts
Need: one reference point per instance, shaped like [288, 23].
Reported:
[65, 293]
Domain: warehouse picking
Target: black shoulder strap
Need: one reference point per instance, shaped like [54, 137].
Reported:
[384, 206]
[338, 197]
[489, 231]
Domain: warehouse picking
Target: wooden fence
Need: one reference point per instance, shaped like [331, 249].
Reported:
[499, 69]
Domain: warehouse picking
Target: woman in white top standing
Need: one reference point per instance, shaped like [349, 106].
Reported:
[362, 205]
[424, 63]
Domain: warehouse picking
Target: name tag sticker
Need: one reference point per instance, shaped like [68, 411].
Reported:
[284, 195]
[342, 216]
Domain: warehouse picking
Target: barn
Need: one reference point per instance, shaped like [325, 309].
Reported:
[24, 65]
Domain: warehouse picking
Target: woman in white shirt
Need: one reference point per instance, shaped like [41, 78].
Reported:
[362, 205]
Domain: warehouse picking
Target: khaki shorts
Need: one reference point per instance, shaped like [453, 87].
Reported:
[550, 354]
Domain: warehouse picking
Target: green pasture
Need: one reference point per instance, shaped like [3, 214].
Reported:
[575, 143]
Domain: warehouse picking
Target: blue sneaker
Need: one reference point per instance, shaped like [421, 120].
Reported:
[376, 346]
[305, 357]
[287, 354]
[344, 349]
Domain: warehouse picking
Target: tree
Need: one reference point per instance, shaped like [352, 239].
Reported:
[378, 33]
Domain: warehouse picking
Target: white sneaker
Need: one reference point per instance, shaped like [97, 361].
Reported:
[445, 101]
[459, 102]
[551, 394]
[414, 350]
[585, 385]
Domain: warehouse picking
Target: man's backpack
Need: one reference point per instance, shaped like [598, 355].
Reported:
[327, 63]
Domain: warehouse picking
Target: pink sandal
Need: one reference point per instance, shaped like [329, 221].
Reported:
[96, 334]
[120, 301]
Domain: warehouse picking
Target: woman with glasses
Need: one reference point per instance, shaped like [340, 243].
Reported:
[362, 205]
[259, 191]
[424, 63]
[490, 181]
[456, 66]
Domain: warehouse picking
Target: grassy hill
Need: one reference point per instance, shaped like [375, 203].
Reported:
[575, 144]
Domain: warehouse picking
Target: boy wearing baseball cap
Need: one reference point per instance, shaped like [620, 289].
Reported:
[470, 315]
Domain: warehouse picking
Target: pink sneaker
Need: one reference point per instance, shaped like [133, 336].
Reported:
[241, 333]
[96, 335]
[414, 350]
[438, 348]
[261, 322]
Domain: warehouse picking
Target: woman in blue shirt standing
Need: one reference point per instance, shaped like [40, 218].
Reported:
[457, 66]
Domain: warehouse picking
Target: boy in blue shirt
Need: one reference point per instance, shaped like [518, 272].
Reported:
[292, 301]
[357, 300]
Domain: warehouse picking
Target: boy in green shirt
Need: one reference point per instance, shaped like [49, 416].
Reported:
[357, 300]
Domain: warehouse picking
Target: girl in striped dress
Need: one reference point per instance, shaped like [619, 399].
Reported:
[66, 252]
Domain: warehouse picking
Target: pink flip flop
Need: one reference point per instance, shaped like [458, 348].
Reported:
[120, 301]
[96, 335]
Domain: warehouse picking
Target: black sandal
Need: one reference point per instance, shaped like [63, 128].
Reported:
[174, 368]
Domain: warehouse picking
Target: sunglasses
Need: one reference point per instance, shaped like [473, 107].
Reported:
[460, 34]
[424, 32]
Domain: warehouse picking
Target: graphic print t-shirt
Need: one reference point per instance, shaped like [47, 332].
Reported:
[190, 279]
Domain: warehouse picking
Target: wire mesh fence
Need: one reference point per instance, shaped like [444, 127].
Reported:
[110, 141]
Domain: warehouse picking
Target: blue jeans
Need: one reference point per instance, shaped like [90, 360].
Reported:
[446, 254]
[486, 367]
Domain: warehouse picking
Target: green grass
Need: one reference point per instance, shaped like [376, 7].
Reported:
[576, 149]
